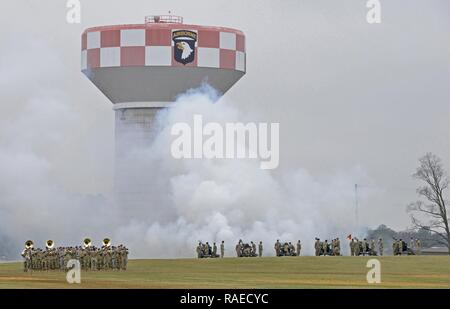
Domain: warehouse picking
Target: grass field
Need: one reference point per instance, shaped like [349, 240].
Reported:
[269, 272]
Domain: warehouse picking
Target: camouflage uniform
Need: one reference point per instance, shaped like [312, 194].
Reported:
[373, 248]
[253, 248]
[325, 247]
[357, 246]
[214, 250]
[277, 247]
[418, 246]
[380, 246]
[317, 246]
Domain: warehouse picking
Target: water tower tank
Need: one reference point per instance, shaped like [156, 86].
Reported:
[142, 68]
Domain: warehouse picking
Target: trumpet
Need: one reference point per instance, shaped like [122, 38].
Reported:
[49, 244]
[87, 242]
[29, 244]
[107, 242]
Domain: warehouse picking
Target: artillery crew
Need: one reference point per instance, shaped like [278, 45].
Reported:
[369, 247]
[247, 250]
[204, 250]
[284, 249]
[91, 258]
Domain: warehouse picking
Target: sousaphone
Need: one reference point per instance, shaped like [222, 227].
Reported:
[49, 244]
[107, 242]
[29, 244]
[87, 242]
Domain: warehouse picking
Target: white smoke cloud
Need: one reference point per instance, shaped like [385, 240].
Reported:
[232, 199]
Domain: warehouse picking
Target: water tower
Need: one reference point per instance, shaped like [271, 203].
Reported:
[142, 68]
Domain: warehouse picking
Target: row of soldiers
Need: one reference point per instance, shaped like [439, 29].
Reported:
[333, 248]
[91, 258]
[325, 248]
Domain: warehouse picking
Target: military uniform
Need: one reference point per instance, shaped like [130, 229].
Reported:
[380, 246]
[418, 246]
[357, 246]
[222, 249]
[214, 250]
[373, 248]
[253, 248]
[277, 248]
[364, 246]
[317, 247]
[286, 248]
[299, 247]
[260, 249]
[325, 247]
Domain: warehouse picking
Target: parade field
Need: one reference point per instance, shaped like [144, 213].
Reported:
[229, 273]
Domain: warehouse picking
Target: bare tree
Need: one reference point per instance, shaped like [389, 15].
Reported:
[431, 215]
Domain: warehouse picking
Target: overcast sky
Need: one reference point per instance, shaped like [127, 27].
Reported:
[347, 94]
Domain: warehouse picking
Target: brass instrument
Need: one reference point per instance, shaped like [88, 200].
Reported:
[49, 244]
[107, 242]
[87, 242]
[29, 244]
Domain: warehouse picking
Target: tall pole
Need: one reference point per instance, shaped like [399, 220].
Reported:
[356, 205]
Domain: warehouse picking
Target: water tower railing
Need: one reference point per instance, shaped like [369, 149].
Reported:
[167, 19]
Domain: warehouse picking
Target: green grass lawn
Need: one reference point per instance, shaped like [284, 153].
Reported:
[268, 272]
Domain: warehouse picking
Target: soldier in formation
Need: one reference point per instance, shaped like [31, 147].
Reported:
[91, 258]
[317, 246]
[352, 247]
[412, 244]
[418, 246]
[277, 247]
[239, 248]
[396, 247]
[260, 249]
[380, 246]
[373, 248]
[222, 249]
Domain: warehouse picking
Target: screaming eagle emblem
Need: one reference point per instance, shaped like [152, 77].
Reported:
[184, 45]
